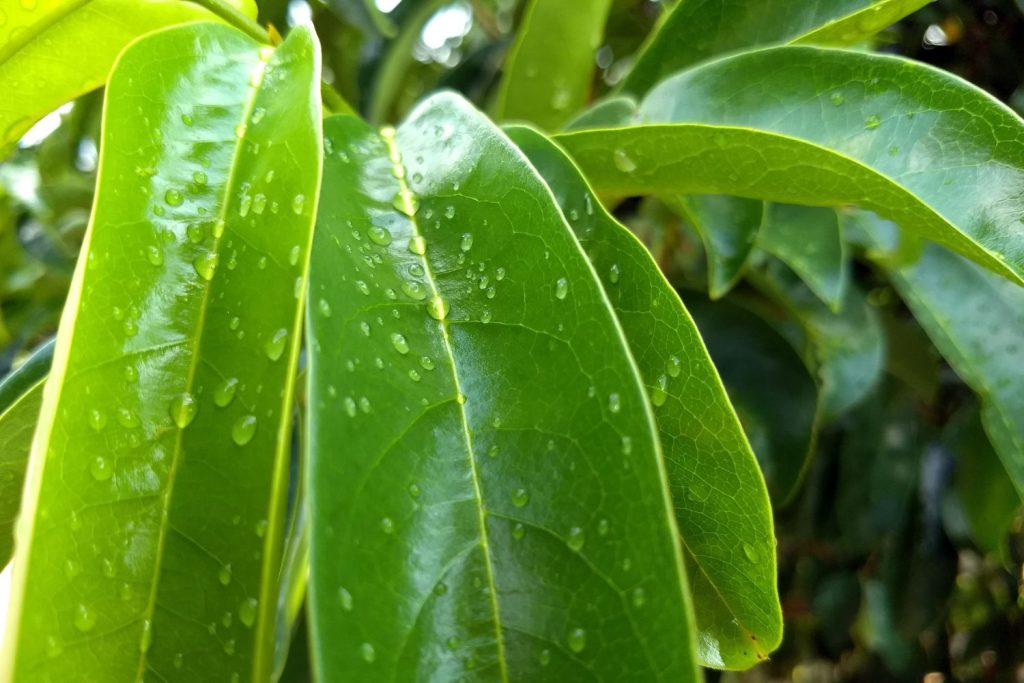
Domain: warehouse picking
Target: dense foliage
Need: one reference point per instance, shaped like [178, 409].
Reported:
[496, 340]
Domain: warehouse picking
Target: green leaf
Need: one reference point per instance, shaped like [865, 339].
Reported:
[770, 387]
[52, 51]
[486, 481]
[989, 499]
[21, 394]
[717, 489]
[846, 346]
[156, 486]
[697, 30]
[728, 227]
[365, 15]
[809, 240]
[809, 125]
[550, 66]
[976, 320]
[614, 111]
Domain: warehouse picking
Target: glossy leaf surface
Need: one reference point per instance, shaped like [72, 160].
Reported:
[480, 435]
[52, 51]
[728, 227]
[769, 386]
[809, 240]
[810, 125]
[717, 489]
[976, 320]
[156, 485]
[697, 30]
[21, 394]
[550, 66]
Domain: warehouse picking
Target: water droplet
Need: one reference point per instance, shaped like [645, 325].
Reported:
[147, 636]
[199, 178]
[379, 235]
[418, 245]
[751, 552]
[449, 212]
[71, 569]
[637, 597]
[247, 612]
[872, 122]
[97, 419]
[346, 599]
[414, 290]
[183, 410]
[259, 203]
[520, 497]
[518, 531]
[427, 363]
[275, 345]
[837, 98]
[623, 162]
[613, 274]
[363, 287]
[437, 308]
[414, 375]
[614, 402]
[627, 445]
[466, 243]
[206, 265]
[324, 308]
[406, 203]
[399, 342]
[544, 657]
[261, 528]
[100, 468]
[194, 232]
[187, 119]
[674, 366]
[577, 640]
[127, 418]
[85, 619]
[154, 255]
[298, 201]
[224, 394]
[602, 527]
[244, 429]
[387, 525]
[367, 652]
[485, 316]
[561, 288]
[659, 393]
[229, 646]
[350, 406]
[173, 197]
[577, 537]
[179, 660]
[224, 575]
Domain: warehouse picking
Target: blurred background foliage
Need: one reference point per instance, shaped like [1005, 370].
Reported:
[900, 540]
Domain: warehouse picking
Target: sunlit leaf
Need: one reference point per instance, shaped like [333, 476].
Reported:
[810, 125]
[52, 51]
[151, 525]
[488, 488]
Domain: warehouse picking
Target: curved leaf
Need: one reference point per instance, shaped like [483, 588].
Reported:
[614, 111]
[154, 498]
[809, 240]
[21, 394]
[52, 51]
[480, 435]
[718, 492]
[811, 125]
[976, 320]
[697, 30]
[550, 66]
[770, 387]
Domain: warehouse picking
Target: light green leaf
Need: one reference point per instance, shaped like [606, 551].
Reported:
[976, 320]
[52, 51]
[480, 434]
[770, 387]
[718, 492]
[550, 67]
[809, 125]
[697, 30]
[809, 240]
[21, 394]
[728, 227]
[151, 525]
[847, 346]
[614, 111]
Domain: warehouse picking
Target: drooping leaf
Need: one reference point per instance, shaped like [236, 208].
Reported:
[21, 394]
[480, 435]
[550, 66]
[728, 227]
[809, 240]
[829, 127]
[770, 387]
[976, 320]
[846, 346]
[697, 30]
[52, 51]
[156, 484]
[717, 489]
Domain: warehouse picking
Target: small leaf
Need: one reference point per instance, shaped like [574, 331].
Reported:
[151, 523]
[53, 51]
[480, 435]
[809, 240]
[946, 163]
[697, 30]
[550, 66]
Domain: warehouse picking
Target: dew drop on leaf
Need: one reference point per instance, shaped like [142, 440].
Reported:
[101, 469]
[346, 599]
[206, 265]
[224, 394]
[561, 288]
[367, 652]
[399, 342]
[244, 429]
[85, 618]
[247, 612]
[437, 308]
[577, 640]
[623, 162]
[520, 497]
[379, 235]
[274, 347]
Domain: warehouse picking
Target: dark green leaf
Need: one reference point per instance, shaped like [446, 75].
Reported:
[811, 125]
[485, 475]
[156, 486]
[809, 240]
